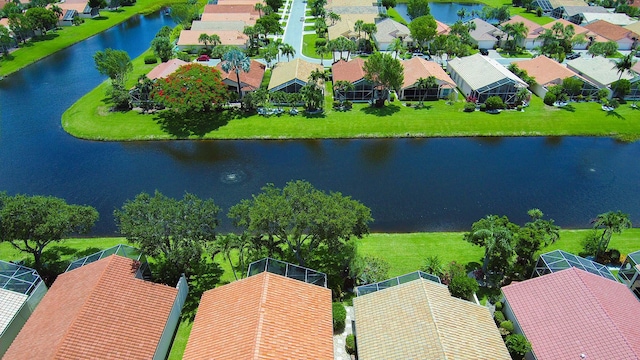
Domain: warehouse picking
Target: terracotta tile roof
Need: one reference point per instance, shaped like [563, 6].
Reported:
[248, 19]
[165, 69]
[227, 37]
[573, 312]
[420, 320]
[350, 71]
[578, 29]
[265, 316]
[295, 69]
[546, 71]
[248, 80]
[417, 67]
[4, 22]
[231, 9]
[610, 31]
[442, 28]
[239, 2]
[98, 311]
[533, 29]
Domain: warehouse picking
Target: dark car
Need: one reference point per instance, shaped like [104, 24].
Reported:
[572, 56]
[203, 57]
[484, 52]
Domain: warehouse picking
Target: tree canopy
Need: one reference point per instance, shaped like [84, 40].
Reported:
[31, 223]
[423, 29]
[300, 217]
[384, 71]
[191, 88]
[115, 64]
[174, 232]
[417, 8]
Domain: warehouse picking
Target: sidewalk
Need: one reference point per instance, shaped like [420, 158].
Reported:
[339, 352]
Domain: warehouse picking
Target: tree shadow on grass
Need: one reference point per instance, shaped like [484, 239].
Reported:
[569, 108]
[101, 17]
[388, 110]
[47, 37]
[614, 114]
[184, 125]
[423, 107]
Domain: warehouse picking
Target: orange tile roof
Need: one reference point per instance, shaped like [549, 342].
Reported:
[573, 312]
[442, 28]
[350, 71]
[265, 316]
[546, 71]
[417, 67]
[533, 29]
[98, 311]
[248, 80]
[237, 9]
[165, 69]
[610, 31]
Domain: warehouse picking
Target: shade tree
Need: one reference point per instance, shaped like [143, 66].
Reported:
[385, 72]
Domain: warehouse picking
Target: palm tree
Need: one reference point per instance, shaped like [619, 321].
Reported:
[215, 40]
[624, 64]
[357, 26]
[369, 29]
[613, 223]
[333, 17]
[519, 32]
[288, 50]
[236, 61]
[396, 46]
[322, 51]
[205, 39]
[259, 7]
[316, 75]
[461, 14]
[340, 88]
[312, 95]
[224, 244]
[425, 84]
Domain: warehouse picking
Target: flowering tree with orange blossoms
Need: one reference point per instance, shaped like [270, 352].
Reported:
[191, 88]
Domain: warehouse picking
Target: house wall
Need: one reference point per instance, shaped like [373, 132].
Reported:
[509, 315]
[539, 90]
[625, 44]
[485, 44]
[172, 322]
[462, 84]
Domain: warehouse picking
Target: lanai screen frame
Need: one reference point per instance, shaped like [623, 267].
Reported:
[289, 270]
[120, 249]
[370, 288]
[18, 278]
[558, 260]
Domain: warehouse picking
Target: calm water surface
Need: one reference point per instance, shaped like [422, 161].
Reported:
[410, 184]
[444, 12]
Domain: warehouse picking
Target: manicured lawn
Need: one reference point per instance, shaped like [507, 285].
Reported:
[309, 46]
[89, 118]
[70, 249]
[524, 54]
[393, 13]
[180, 340]
[530, 15]
[37, 48]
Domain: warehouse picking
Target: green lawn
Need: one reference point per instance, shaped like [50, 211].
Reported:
[38, 48]
[530, 16]
[89, 118]
[393, 13]
[309, 45]
[524, 54]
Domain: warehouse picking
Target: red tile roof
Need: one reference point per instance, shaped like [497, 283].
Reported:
[573, 312]
[265, 316]
[418, 67]
[249, 80]
[350, 71]
[98, 311]
[610, 31]
[546, 71]
[165, 69]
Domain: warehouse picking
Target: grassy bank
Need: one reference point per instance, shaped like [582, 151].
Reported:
[41, 47]
[89, 118]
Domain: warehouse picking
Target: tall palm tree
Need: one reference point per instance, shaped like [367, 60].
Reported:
[396, 46]
[205, 39]
[519, 33]
[317, 75]
[236, 61]
[613, 223]
[333, 17]
[624, 64]
[259, 7]
[425, 84]
[357, 26]
[340, 88]
[322, 51]
[215, 40]
[369, 29]
[461, 14]
[287, 50]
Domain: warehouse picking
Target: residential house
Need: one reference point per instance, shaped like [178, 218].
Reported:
[548, 6]
[442, 28]
[602, 72]
[480, 77]
[613, 18]
[574, 314]
[575, 14]
[218, 25]
[419, 319]
[629, 273]
[388, 31]
[247, 18]
[353, 72]
[165, 69]
[189, 38]
[485, 35]
[416, 68]
[291, 76]
[625, 38]
[264, 316]
[230, 9]
[81, 6]
[558, 260]
[249, 81]
[346, 26]
[21, 290]
[68, 17]
[548, 72]
[533, 31]
[634, 27]
[589, 36]
[102, 310]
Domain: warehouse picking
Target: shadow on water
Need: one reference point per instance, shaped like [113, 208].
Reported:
[553, 140]
[184, 125]
[377, 152]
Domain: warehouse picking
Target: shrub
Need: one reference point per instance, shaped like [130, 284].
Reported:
[321, 42]
[183, 56]
[615, 256]
[519, 107]
[549, 98]
[368, 269]
[339, 316]
[350, 344]
[463, 287]
[483, 107]
[517, 345]
[507, 325]
[498, 305]
[494, 103]
[150, 59]
[408, 104]
[498, 316]
[469, 107]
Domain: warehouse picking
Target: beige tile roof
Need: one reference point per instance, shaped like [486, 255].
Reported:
[218, 25]
[98, 311]
[339, 3]
[600, 69]
[635, 27]
[265, 316]
[417, 67]
[546, 71]
[246, 18]
[345, 27]
[294, 69]
[420, 320]
[227, 37]
[478, 71]
[559, 3]
[610, 31]
[165, 69]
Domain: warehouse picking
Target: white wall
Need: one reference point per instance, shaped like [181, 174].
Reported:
[172, 322]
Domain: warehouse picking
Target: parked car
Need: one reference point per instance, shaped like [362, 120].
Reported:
[484, 52]
[203, 57]
[573, 55]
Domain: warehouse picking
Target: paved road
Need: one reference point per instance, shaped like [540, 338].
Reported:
[294, 30]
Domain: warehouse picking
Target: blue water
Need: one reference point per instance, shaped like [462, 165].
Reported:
[444, 12]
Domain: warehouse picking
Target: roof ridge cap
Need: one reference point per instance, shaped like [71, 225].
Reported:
[604, 309]
[263, 298]
[431, 312]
